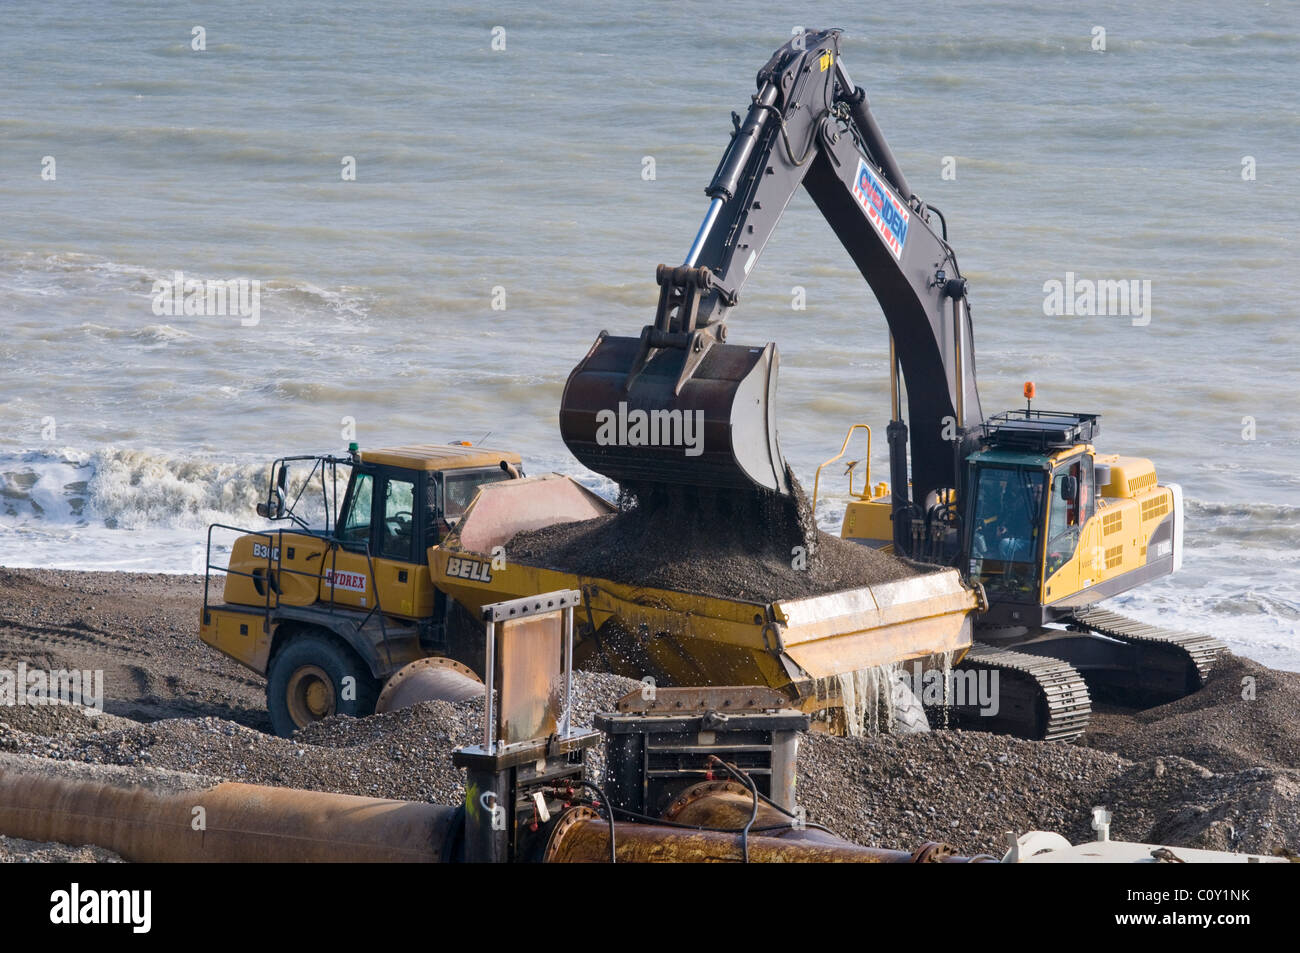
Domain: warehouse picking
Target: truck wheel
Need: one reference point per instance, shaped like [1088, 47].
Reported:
[306, 683]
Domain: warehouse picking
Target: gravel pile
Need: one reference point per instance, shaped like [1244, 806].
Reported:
[964, 788]
[1212, 770]
[15, 850]
[404, 754]
[1172, 800]
[1245, 717]
[139, 629]
[758, 546]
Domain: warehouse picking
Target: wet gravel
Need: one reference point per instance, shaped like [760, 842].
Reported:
[963, 788]
[753, 546]
[404, 754]
[1245, 717]
[1215, 769]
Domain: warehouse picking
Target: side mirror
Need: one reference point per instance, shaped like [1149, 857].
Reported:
[1070, 488]
[273, 508]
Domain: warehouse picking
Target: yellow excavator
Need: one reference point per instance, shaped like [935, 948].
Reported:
[1020, 502]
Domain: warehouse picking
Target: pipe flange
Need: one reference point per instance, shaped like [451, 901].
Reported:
[932, 852]
[438, 663]
[697, 792]
[566, 822]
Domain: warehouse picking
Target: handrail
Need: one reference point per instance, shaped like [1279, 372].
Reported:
[269, 536]
[866, 489]
[383, 629]
[274, 550]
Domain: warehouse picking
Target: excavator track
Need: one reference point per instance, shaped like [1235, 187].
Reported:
[1039, 698]
[1167, 663]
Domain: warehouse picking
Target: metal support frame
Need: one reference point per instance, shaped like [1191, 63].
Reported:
[503, 779]
[496, 613]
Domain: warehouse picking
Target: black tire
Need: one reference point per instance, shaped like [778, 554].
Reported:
[306, 683]
[909, 714]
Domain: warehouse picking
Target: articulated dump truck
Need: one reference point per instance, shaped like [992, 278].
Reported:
[377, 606]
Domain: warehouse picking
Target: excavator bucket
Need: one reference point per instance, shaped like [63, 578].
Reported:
[702, 415]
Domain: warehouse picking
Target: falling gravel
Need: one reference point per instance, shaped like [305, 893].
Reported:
[755, 546]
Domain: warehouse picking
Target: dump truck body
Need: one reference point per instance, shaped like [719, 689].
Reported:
[691, 638]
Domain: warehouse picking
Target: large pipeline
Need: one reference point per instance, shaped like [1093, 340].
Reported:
[588, 842]
[173, 819]
[236, 822]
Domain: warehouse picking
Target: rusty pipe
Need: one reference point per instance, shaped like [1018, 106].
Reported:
[587, 841]
[728, 805]
[178, 821]
[584, 838]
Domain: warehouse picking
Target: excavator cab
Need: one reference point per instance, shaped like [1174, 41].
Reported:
[1027, 515]
[1030, 493]
[1051, 526]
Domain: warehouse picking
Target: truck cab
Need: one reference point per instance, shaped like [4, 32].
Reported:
[332, 605]
[400, 503]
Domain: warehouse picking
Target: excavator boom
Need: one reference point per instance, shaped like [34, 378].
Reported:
[808, 125]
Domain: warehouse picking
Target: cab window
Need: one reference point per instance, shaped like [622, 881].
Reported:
[459, 488]
[1065, 513]
[397, 537]
[354, 528]
[1007, 521]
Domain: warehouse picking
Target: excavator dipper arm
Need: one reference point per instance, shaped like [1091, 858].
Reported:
[808, 125]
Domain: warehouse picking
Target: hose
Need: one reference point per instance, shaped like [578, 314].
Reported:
[753, 790]
[607, 807]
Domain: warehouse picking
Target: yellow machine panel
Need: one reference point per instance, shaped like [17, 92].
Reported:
[1114, 542]
[240, 634]
[291, 562]
[870, 522]
[303, 570]
[1129, 476]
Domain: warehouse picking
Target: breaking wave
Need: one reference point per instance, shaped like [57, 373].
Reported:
[127, 489]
